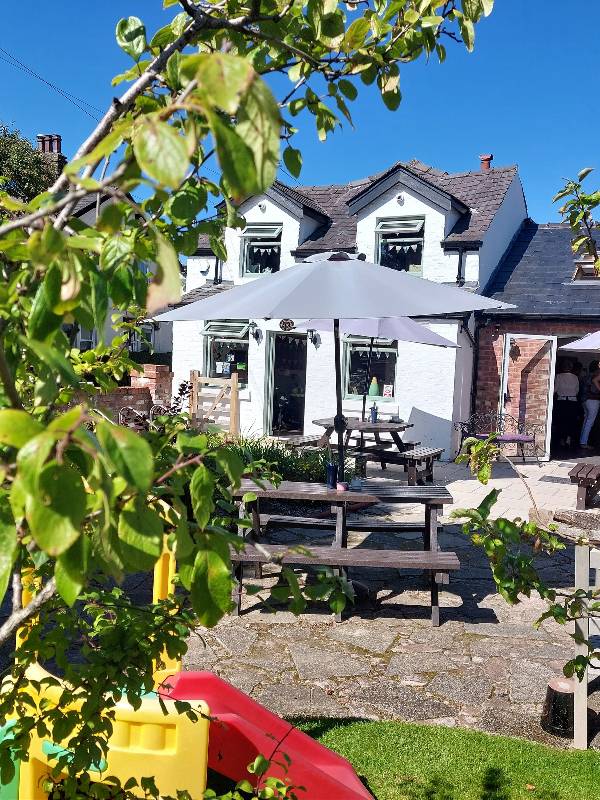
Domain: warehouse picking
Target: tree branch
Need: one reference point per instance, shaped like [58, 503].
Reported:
[17, 618]
[8, 381]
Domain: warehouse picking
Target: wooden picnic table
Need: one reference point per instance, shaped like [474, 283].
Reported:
[433, 498]
[365, 426]
[305, 492]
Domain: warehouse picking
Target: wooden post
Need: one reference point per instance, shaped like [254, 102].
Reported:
[194, 374]
[234, 407]
[582, 630]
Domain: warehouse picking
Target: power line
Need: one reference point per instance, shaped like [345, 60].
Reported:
[78, 102]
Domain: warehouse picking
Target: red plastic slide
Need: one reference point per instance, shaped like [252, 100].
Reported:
[244, 729]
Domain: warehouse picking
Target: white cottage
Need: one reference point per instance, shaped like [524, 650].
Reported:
[452, 228]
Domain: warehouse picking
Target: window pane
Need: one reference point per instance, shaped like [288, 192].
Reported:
[261, 249]
[381, 375]
[400, 244]
[227, 357]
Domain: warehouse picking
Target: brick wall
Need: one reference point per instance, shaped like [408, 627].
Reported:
[137, 397]
[157, 379]
[528, 375]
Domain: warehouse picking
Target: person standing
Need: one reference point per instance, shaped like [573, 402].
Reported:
[566, 389]
[591, 403]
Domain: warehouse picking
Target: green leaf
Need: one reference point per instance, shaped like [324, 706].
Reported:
[116, 250]
[165, 287]
[211, 579]
[70, 570]
[467, 31]
[584, 173]
[202, 486]
[160, 151]
[293, 160]
[236, 159]
[131, 36]
[348, 89]
[259, 124]
[130, 454]
[356, 34]
[488, 6]
[8, 544]
[224, 79]
[31, 458]
[141, 534]
[185, 205]
[131, 74]
[55, 516]
[231, 464]
[42, 320]
[17, 427]
[53, 359]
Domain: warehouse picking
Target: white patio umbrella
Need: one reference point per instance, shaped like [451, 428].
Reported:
[401, 329]
[340, 287]
[591, 341]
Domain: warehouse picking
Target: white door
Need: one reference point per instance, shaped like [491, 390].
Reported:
[527, 384]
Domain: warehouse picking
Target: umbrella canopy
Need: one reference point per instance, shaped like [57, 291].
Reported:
[402, 329]
[590, 341]
[340, 287]
[348, 289]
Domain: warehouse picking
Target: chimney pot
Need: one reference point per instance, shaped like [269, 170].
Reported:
[49, 142]
[486, 161]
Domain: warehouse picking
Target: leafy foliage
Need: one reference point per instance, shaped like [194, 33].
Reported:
[86, 504]
[577, 210]
[24, 171]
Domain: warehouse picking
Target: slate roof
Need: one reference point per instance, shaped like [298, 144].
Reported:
[481, 191]
[207, 289]
[535, 275]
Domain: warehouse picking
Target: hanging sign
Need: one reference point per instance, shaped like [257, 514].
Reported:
[286, 324]
[388, 389]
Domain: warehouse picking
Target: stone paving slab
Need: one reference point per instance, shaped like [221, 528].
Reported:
[485, 667]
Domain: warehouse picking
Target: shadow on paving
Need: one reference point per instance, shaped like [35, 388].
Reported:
[387, 588]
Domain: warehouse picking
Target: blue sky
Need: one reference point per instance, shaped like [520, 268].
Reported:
[527, 94]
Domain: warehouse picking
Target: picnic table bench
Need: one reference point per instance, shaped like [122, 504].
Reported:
[587, 478]
[438, 564]
[433, 498]
[302, 441]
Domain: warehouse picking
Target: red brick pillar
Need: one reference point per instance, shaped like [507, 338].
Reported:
[158, 379]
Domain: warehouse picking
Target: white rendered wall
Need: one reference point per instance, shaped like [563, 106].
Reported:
[253, 214]
[503, 228]
[425, 388]
[437, 265]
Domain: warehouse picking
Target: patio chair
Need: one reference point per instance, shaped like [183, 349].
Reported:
[510, 431]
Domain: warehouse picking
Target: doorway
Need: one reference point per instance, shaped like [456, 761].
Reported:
[528, 384]
[287, 368]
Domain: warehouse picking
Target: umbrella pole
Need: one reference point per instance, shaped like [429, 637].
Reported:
[365, 391]
[339, 422]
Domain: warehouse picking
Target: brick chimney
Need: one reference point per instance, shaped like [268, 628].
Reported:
[50, 144]
[486, 161]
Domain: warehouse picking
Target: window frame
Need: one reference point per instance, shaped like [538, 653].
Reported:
[401, 226]
[225, 331]
[386, 345]
[137, 344]
[259, 233]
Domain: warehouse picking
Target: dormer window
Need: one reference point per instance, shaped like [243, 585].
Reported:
[399, 243]
[260, 250]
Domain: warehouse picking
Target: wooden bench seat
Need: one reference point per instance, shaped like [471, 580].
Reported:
[587, 478]
[302, 441]
[363, 524]
[437, 563]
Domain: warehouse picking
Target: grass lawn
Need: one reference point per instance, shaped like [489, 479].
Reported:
[402, 761]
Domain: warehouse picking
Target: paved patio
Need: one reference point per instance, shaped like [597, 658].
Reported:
[486, 667]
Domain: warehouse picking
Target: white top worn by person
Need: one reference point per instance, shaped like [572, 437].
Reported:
[566, 384]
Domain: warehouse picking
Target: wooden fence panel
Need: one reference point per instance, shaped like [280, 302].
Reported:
[215, 401]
